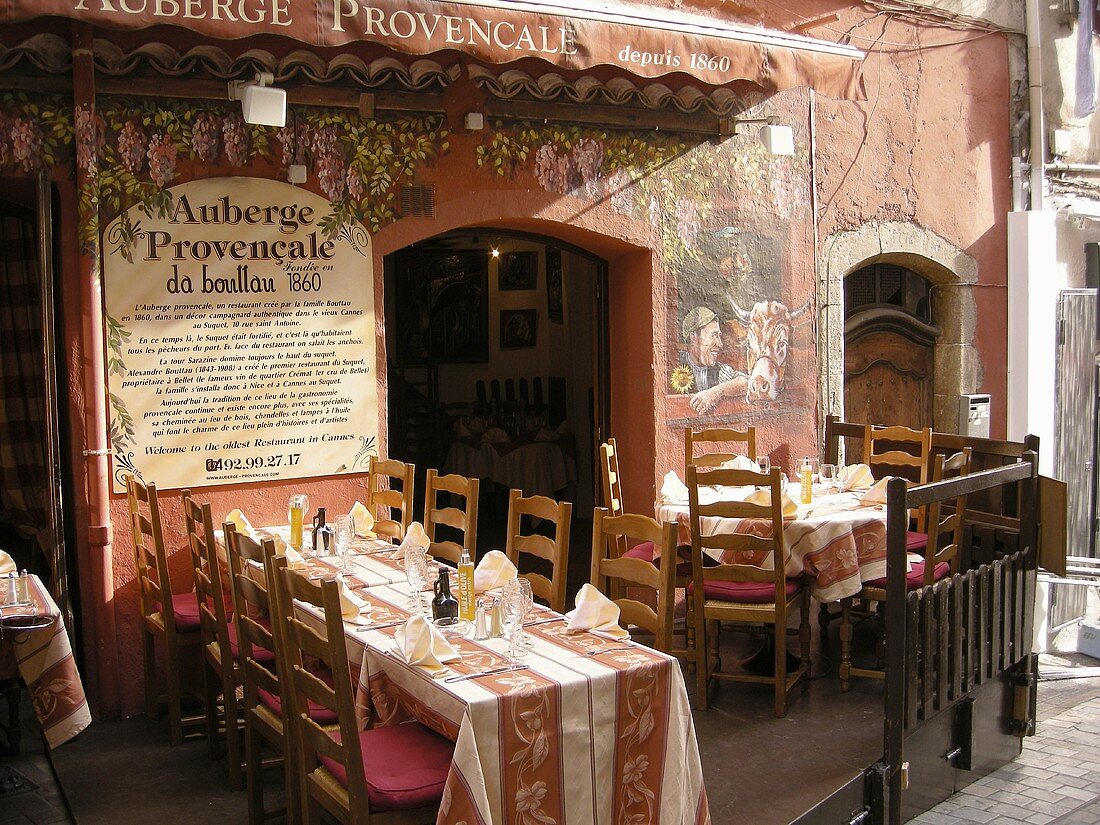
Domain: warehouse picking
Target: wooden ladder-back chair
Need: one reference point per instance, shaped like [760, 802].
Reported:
[394, 772]
[257, 621]
[464, 520]
[555, 550]
[171, 617]
[940, 561]
[613, 572]
[692, 438]
[220, 675]
[740, 592]
[389, 496]
[907, 453]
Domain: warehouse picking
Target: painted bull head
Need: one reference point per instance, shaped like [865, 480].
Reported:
[767, 343]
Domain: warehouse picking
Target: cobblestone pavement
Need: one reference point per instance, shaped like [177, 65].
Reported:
[1055, 781]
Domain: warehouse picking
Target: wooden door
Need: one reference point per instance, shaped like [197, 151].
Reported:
[887, 380]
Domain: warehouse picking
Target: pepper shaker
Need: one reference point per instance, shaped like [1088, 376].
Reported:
[496, 627]
[11, 593]
[22, 593]
[481, 630]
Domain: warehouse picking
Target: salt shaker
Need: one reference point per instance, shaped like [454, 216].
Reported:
[22, 593]
[11, 592]
[481, 630]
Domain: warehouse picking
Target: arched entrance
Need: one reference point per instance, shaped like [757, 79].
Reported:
[889, 339]
[497, 349]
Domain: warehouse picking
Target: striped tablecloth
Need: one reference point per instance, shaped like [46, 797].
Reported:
[43, 657]
[574, 738]
[836, 541]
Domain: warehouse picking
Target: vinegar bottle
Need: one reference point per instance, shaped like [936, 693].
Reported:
[806, 473]
[465, 586]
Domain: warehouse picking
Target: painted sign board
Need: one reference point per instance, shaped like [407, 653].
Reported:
[241, 338]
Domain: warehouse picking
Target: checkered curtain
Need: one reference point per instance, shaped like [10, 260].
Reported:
[23, 476]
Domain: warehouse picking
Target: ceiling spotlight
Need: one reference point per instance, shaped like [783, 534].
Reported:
[496, 252]
[261, 103]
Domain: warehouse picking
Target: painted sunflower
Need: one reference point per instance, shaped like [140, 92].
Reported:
[682, 380]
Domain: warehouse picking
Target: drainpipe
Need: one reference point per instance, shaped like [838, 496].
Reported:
[1035, 104]
[96, 465]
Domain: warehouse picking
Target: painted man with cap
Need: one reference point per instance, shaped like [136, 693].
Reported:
[702, 333]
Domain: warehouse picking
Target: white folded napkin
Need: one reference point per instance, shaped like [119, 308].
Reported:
[241, 522]
[877, 494]
[673, 490]
[414, 537]
[764, 497]
[422, 645]
[476, 426]
[7, 563]
[495, 435]
[595, 613]
[546, 434]
[351, 604]
[461, 430]
[363, 520]
[740, 462]
[294, 560]
[856, 477]
[494, 570]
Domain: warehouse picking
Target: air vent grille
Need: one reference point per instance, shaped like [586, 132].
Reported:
[417, 201]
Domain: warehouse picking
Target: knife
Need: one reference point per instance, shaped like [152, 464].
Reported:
[491, 672]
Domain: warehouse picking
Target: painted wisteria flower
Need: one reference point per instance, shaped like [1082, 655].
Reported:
[546, 168]
[687, 217]
[238, 144]
[287, 142]
[205, 136]
[26, 144]
[619, 188]
[356, 190]
[588, 162]
[132, 147]
[5, 138]
[87, 138]
[162, 159]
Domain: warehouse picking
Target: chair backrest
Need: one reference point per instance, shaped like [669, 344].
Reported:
[759, 544]
[253, 599]
[898, 448]
[693, 438]
[207, 572]
[396, 495]
[555, 550]
[324, 640]
[611, 572]
[155, 585]
[942, 526]
[464, 520]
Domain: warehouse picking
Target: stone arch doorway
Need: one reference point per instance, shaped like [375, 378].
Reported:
[940, 350]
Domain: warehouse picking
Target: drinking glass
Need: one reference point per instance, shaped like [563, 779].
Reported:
[512, 609]
[343, 530]
[828, 476]
[528, 606]
[416, 572]
[297, 508]
[764, 462]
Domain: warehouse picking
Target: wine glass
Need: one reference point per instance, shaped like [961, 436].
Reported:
[343, 530]
[512, 609]
[528, 605]
[416, 572]
[828, 477]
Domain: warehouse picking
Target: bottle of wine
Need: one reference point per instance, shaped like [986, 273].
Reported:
[322, 534]
[444, 605]
[465, 586]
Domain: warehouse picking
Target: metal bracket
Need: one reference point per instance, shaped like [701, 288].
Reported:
[1024, 681]
[962, 755]
[876, 792]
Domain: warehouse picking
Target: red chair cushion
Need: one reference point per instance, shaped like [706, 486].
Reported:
[744, 592]
[260, 654]
[185, 607]
[915, 542]
[914, 579]
[405, 766]
[646, 550]
[320, 715]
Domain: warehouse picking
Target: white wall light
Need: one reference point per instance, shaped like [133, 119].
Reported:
[776, 138]
[261, 104]
[474, 121]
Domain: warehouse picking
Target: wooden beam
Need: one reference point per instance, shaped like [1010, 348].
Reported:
[611, 117]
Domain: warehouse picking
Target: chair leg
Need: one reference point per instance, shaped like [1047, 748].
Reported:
[702, 667]
[780, 670]
[232, 736]
[175, 695]
[845, 644]
[254, 771]
[210, 692]
[292, 781]
[804, 642]
[824, 617]
[149, 662]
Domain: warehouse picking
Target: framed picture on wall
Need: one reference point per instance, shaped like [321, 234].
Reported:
[442, 308]
[553, 284]
[518, 270]
[518, 328]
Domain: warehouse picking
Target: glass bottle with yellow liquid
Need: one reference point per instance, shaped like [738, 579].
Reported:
[296, 510]
[466, 606]
[806, 476]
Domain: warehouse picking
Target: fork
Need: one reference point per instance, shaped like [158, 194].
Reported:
[609, 650]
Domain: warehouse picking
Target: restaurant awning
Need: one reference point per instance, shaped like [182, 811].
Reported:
[580, 34]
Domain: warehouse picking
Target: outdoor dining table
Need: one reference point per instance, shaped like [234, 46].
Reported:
[34, 645]
[838, 542]
[536, 465]
[589, 730]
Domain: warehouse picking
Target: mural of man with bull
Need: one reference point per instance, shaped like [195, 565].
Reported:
[701, 332]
